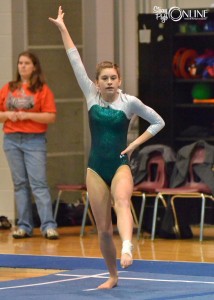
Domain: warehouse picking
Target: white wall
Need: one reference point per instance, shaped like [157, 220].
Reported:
[6, 190]
[128, 49]
[195, 3]
[146, 6]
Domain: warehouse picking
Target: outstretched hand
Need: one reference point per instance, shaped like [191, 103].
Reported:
[59, 22]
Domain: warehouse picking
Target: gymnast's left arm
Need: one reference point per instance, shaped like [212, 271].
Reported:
[150, 115]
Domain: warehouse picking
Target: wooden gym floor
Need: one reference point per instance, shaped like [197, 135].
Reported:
[71, 244]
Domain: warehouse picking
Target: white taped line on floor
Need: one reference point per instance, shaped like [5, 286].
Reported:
[52, 282]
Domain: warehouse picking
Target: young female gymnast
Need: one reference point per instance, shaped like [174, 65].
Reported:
[109, 178]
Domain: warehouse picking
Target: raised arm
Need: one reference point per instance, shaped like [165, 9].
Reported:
[59, 22]
[81, 75]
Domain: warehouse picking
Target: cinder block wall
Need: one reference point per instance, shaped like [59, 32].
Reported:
[6, 191]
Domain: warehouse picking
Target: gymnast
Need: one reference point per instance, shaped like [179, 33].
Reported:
[109, 179]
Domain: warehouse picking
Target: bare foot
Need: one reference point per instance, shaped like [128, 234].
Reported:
[109, 284]
[126, 260]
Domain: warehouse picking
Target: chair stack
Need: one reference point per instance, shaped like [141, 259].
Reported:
[192, 177]
[156, 178]
[84, 196]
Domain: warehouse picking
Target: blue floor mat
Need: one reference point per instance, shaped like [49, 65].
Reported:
[144, 280]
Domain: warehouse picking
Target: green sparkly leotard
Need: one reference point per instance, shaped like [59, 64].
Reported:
[109, 137]
[109, 122]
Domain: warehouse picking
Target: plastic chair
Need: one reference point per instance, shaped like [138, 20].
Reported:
[85, 199]
[156, 178]
[192, 188]
[84, 196]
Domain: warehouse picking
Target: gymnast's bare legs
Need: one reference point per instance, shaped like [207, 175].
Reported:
[100, 197]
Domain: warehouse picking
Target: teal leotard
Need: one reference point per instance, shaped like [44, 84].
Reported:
[109, 122]
[109, 137]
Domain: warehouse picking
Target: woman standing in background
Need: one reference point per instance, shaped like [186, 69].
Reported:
[26, 108]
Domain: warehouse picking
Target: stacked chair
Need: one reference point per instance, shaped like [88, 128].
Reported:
[192, 177]
[81, 188]
[153, 162]
[166, 177]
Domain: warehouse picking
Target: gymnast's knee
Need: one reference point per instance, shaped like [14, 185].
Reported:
[121, 203]
[105, 235]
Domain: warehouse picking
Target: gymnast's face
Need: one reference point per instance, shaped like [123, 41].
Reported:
[108, 83]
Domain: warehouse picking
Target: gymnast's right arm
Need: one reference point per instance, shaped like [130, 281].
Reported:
[84, 82]
[59, 22]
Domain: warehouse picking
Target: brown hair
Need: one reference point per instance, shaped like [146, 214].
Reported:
[37, 79]
[106, 65]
